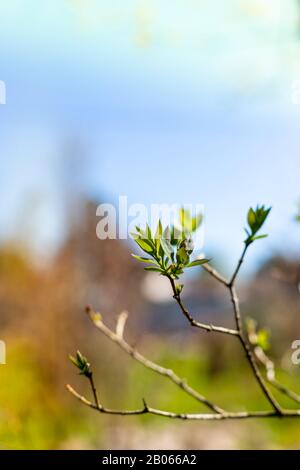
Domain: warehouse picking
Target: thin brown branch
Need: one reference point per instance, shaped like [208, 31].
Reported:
[219, 413]
[238, 332]
[215, 274]
[93, 387]
[195, 323]
[243, 340]
[239, 327]
[169, 373]
[184, 416]
[100, 408]
[237, 269]
[249, 354]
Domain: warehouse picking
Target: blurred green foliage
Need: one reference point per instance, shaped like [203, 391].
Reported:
[36, 415]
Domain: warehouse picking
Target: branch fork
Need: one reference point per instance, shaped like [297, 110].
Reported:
[255, 355]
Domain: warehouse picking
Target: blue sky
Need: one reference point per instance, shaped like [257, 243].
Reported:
[170, 101]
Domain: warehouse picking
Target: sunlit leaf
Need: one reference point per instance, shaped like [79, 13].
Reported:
[143, 260]
[197, 262]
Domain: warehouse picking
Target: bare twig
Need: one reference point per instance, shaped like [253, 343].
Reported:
[219, 413]
[215, 274]
[243, 339]
[239, 328]
[252, 357]
[119, 340]
[249, 354]
[237, 269]
[94, 390]
[195, 323]
[184, 416]
[122, 319]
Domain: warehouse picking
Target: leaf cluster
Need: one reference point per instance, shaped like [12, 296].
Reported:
[82, 364]
[256, 218]
[169, 250]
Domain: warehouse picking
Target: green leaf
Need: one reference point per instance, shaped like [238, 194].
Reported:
[140, 233]
[143, 260]
[82, 364]
[138, 229]
[184, 215]
[258, 237]
[176, 236]
[196, 222]
[167, 247]
[149, 233]
[256, 218]
[156, 270]
[73, 360]
[251, 218]
[182, 256]
[188, 223]
[159, 231]
[145, 245]
[157, 238]
[297, 217]
[197, 262]
[187, 244]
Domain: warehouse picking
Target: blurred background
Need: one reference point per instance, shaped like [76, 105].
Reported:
[164, 102]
